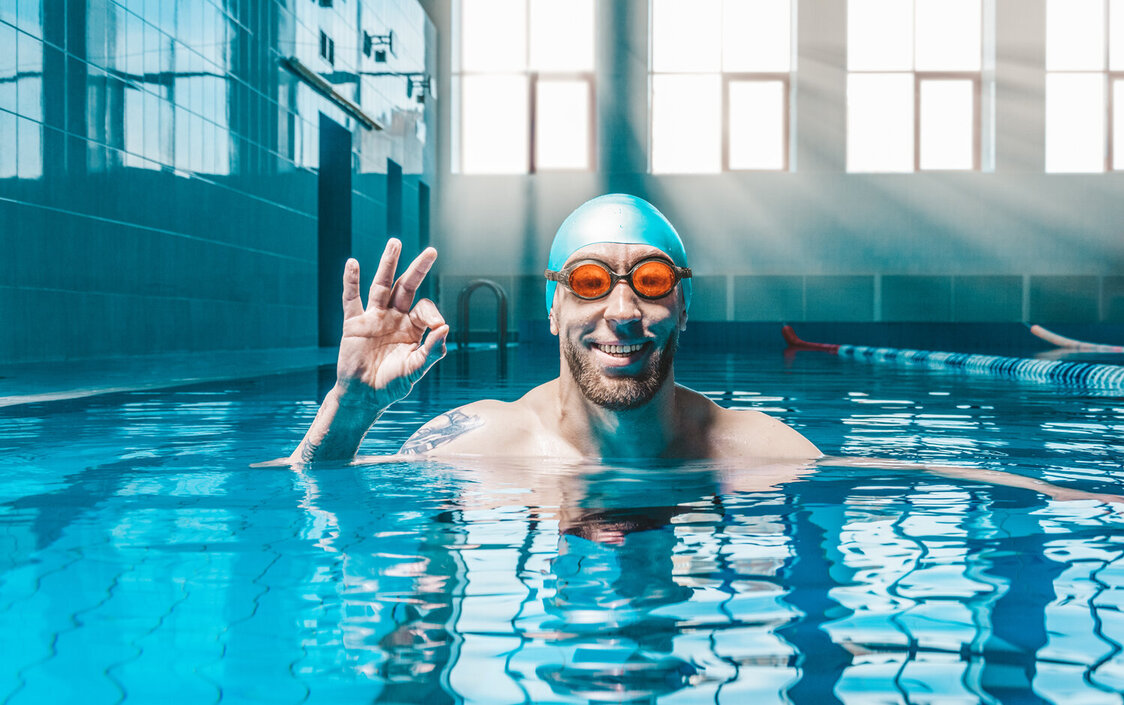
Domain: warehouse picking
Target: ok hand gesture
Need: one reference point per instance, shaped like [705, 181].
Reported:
[384, 349]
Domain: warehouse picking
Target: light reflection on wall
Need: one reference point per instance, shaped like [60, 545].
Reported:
[21, 95]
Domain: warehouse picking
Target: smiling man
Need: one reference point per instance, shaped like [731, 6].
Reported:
[617, 295]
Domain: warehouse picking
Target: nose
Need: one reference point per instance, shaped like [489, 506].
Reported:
[622, 304]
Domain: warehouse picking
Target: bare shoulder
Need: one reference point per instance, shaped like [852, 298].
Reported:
[458, 431]
[740, 433]
[768, 437]
[486, 427]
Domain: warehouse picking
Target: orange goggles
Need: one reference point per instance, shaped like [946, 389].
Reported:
[652, 278]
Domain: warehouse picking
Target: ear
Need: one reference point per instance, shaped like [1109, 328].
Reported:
[550, 315]
[682, 312]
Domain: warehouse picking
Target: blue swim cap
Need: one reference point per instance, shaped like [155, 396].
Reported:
[616, 218]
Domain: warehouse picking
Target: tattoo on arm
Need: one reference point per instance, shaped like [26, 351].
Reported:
[434, 433]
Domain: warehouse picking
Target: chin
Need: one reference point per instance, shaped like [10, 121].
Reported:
[623, 392]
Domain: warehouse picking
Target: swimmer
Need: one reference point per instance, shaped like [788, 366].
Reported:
[618, 288]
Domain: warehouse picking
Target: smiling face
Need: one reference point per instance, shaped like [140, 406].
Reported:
[619, 348]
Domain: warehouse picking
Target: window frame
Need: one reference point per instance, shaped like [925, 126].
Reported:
[531, 78]
[919, 76]
[1109, 78]
[725, 79]
[532, 116]
[976, 79]
[729, 77]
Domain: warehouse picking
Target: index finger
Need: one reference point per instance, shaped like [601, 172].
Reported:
[383, 282]
[352, 305]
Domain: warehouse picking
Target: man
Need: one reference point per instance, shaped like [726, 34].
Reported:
[618, 292]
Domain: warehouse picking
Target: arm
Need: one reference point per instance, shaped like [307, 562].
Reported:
[961, 472]
[382, 354]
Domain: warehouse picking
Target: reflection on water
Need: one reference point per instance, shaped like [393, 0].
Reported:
[138, 541]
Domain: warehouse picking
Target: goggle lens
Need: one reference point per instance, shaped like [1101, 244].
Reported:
[653, 279]
[590, 281]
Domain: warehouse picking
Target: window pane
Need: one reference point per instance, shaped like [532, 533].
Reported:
[1075, 35]
[757, 35]
[687, 36]
[880, 122]
[1116, 35]
[1118, 125]
[562, 125]
[879, 35]
[493, 35]
[1075, 122]
[757, 122]
[686, 124]
[948, 35]
[494, 124]
[562, 35]
[947, 124]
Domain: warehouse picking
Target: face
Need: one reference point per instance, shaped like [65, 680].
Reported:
[619, 349]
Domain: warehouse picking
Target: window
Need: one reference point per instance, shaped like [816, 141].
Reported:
[1084, 85]
[913, 85]
[523, 86]
[720, 85]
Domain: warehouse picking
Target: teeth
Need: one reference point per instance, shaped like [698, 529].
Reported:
[621, 349]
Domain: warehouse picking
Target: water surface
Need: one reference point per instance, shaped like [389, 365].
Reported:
[144, 560]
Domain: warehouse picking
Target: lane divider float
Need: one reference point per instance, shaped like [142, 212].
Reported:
[1063, 342]
[1077, 374]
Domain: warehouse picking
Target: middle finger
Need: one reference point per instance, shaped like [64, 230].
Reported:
[379, 295]
[407, 285]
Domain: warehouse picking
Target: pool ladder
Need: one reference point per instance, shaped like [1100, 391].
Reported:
[462, 337]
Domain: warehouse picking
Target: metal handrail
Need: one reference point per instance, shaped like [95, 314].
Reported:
[463, 317]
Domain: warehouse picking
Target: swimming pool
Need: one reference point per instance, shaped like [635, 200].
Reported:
[144, 560]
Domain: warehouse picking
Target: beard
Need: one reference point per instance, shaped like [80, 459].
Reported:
[621, 393]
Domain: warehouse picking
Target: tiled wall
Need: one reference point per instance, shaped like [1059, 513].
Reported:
[158, 167]
[842, 298]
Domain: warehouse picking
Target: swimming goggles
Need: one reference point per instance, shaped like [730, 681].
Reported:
[652, 278]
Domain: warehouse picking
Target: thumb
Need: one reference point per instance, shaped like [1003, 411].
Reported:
[431, 350]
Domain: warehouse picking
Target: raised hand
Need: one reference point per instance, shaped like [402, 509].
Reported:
[384, 349]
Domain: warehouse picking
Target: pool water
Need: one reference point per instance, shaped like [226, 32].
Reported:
[143, 560]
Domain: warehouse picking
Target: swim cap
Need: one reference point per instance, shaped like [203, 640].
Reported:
[616, 218]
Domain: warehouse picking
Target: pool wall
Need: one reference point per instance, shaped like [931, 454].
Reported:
[160, 167]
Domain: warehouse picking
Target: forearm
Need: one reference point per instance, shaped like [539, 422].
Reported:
[974, 474]
[338, 429]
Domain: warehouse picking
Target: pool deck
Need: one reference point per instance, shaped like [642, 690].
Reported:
[72, 379]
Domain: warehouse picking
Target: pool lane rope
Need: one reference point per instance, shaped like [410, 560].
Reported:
[1079, 345]
[1077, 374]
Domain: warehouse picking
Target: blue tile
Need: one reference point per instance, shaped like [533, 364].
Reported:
[769, 298]
[1113, 289]
[916, 298]
[839, 298]
[988, 298]
[1064, 299]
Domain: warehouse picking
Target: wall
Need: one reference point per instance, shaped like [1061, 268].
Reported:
[816, 243]
[158, 168]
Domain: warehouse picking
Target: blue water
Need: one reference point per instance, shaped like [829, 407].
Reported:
[143, 560]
